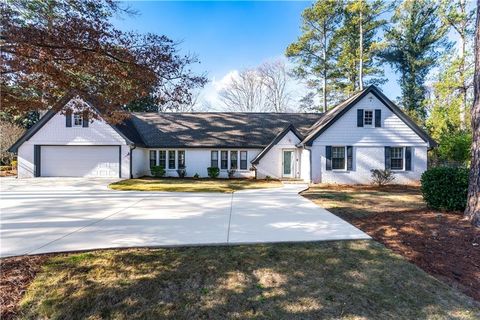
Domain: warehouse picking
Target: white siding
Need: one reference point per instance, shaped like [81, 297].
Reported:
[392, 132]
[271, 163]
[368, 143]
[55, 132]
[140, 162]
[197, 160]
[365, 159]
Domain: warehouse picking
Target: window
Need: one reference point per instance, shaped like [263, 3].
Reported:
[224, 160]
[162, 159]
[396, 158]
[77, 120]
[214, 159]
[338, 158]
[233, 160]
[181, 159]
[243, 160]
[153, 158]
[368, 118]
[171, 159]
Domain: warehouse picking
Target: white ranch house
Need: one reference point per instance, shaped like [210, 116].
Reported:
[367, 131]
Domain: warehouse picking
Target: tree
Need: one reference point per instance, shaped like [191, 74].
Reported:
[245, 93]
[456, 15]
[316, 50]
[472, 211]
[10, 133]
[264, 88]
[413, 46]
[52, 47]
[359, 43]
[275, 78]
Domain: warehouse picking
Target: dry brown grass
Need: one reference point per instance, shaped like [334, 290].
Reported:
[443, 244]
[329, 280]
[193, 185]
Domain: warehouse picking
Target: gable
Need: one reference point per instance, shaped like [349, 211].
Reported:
[339, 125]
[52, 129]
[289, 137]
[393, 130]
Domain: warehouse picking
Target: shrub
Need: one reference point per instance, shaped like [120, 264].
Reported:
[268, 178]
[382, 177]
[14, 164]
[213, 172]
[445, 188]
[196, 176]
[231, 173]
[182, 173]
[5, 168]
[157, 171]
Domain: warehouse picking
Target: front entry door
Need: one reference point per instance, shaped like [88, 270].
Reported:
[288, 163]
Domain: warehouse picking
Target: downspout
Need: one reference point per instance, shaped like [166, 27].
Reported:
[131, 160]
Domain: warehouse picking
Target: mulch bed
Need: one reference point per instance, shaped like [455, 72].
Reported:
[444, 245]
[15, 276]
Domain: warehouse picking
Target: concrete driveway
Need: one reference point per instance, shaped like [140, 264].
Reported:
[51, 214]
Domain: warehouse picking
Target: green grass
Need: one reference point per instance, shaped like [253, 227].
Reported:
[193, 185]
[328, 280]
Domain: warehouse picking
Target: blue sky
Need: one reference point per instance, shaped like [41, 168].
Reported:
[226, 36]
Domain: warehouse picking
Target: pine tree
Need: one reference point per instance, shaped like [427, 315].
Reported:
[359, 42]
[413, 45]
[456, 15]
[316, 50]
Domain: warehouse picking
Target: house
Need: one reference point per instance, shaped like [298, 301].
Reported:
[367, 131]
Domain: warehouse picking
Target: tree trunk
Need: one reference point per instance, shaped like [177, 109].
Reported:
[462, 34]
[324, 89]
[360, 63]
[472, 212]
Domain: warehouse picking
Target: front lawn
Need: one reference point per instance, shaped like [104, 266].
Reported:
[193, 185]
[328, 280]
[443, 244]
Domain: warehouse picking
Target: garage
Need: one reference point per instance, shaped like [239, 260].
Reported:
[78, 161]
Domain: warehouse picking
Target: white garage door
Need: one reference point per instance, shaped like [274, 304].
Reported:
[79, 161]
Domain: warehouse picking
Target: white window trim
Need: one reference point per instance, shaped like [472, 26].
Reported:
[373, 119]
[220, 160]
[345, 157]
[240, 160]
[81, 120]
[403, 160]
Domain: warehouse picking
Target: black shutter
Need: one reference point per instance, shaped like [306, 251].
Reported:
[388, 158]
[378, 118]
[359, 117]
[349, 158]
[85, 119]
[68, 118]
[408, 158]
[36, 160]
[328, 154]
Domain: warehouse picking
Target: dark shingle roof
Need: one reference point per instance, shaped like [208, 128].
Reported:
[212, 129]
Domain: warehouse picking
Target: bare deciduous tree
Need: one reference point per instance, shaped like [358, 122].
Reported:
[264, 88]
[275, 78]
[9, 134]
[245, 93]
